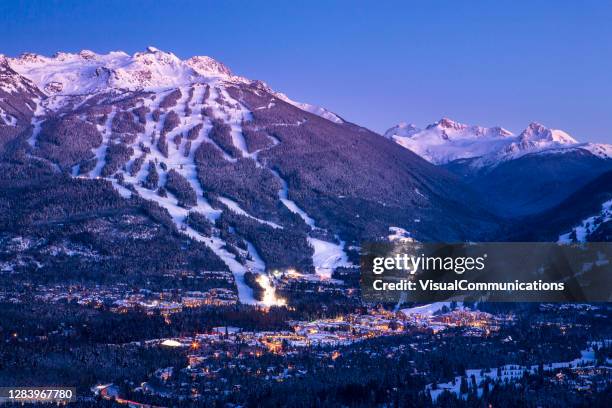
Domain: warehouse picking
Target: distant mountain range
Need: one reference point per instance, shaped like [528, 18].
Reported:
[516, 176]
[446, 141]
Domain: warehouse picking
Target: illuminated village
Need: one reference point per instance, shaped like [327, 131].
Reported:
[347, 329]
[122, 298]
[276, 355]
[227, 358]
[222, 350]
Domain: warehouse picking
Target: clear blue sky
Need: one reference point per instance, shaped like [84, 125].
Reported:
[375, 63]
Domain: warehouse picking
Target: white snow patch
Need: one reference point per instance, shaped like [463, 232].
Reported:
[283, 195]
[512, 372]
[316, 110]
[36, 123]
[327, 257]
[8, 119]
[588, 225]
[399, 234]
[100, 151]
[425, 310]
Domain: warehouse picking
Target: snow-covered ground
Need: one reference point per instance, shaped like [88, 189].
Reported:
[513, 372]
[327, 256]
[7, 119]
[588, 225]
[283, 195]
[100, 152]
[317, 110]
[183, 165]
[36, 122]
[269, 296]
[88, 72]
[425, 310]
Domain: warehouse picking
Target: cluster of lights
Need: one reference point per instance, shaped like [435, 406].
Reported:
[269, 297]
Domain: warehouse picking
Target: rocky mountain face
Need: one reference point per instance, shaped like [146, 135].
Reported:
[146, 166]
[518, 175]
[18, 98]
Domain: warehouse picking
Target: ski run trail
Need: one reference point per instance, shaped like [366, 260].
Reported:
[195, 98]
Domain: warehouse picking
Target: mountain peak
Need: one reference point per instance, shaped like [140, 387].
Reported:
[87, 72]
[538, 133]
[87, 54]
[153, 55]
[446, 140]
[152, 70]
[155, 51]
[30, 57]
[447, 123]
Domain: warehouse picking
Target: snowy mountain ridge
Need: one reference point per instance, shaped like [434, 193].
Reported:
[88, 72]
[10, 82]
[152, 70]
[446, 140]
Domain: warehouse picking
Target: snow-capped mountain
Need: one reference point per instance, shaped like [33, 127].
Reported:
[258, 181]
[537, 137]
[87, 72]
[445, 141]
[517, 175]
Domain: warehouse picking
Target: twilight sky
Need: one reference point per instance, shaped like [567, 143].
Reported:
[375, 63]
